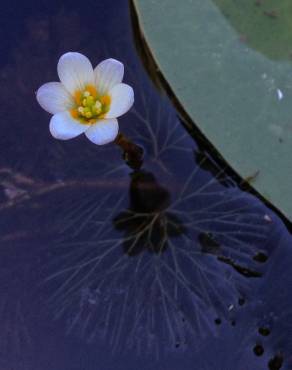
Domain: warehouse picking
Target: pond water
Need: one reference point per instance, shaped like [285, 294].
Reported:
[172, 266]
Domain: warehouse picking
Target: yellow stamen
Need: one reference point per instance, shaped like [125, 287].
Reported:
[74, 113]
[90, 100]
[105, 100]
[77, 97]
[89, 106]
[98, 104]
[92, 90]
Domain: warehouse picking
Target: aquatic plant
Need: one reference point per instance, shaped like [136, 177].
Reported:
[173, 258]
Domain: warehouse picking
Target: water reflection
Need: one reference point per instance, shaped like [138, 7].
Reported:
[152, 267]
[146, 223]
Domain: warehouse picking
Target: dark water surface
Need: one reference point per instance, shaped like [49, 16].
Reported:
[105, 268]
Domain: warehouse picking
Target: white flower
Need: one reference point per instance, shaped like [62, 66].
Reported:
[86, 100]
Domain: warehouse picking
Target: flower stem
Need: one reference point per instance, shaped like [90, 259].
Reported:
[132, 153]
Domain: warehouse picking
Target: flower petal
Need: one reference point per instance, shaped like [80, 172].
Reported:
[63, 126]
[53, 97]
[75, 71]
[107, 74]
[122, 99]
[103, 131]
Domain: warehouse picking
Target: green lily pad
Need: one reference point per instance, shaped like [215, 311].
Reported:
[227, 62]
[265, 25]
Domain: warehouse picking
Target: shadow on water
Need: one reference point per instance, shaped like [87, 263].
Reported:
[147, 218]
[113, 266]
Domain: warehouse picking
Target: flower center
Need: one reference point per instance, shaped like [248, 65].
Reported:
[89, 105]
